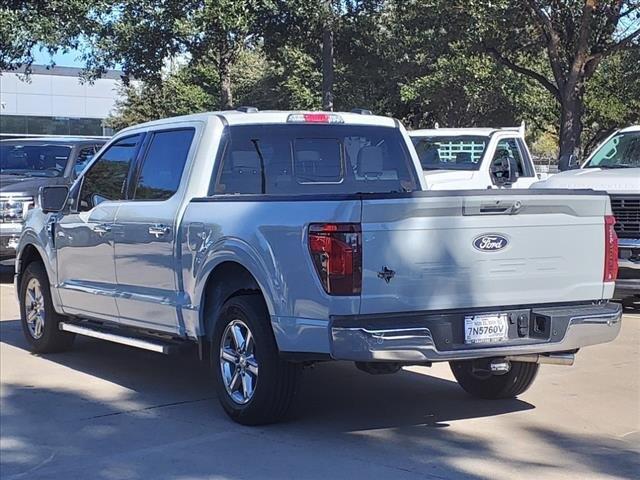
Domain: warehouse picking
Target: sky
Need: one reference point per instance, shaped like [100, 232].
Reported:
[69, 59]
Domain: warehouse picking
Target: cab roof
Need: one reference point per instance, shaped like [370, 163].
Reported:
[237, 117]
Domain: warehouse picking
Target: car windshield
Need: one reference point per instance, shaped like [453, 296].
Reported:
[33, 160]
[620, 151]
[463, 152]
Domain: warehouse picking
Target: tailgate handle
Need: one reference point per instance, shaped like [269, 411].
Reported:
[494, 208]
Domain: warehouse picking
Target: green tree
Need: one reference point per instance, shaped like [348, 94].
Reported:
[574, 37]
[186, 91]
[147, 36]
[54, 25]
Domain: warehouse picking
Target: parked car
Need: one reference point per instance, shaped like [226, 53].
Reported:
[472, 158]
[28, 164]
[613, 167]
[272, 240]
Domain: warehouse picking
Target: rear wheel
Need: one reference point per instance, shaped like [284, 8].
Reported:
[481, 383]
[38, 317]
[255, 386]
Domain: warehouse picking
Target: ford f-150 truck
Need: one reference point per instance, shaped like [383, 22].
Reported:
[272, 240]
[614, 167]
[26, 165]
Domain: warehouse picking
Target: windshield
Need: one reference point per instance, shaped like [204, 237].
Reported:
[34, 160]
[621, 151]
[450, 153]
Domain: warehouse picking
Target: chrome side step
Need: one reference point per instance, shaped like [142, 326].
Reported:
[152, 345]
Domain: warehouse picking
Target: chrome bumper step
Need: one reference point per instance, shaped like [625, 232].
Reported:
[113, 335]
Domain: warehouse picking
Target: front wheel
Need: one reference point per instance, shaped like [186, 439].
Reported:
[255, 386]
[38, 317]
[485, 385]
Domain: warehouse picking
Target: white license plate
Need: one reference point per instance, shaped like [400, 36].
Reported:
[486, 328]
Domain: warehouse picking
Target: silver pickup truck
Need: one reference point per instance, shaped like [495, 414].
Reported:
[272, 240]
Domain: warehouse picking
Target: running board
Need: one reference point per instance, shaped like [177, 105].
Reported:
[153, 345]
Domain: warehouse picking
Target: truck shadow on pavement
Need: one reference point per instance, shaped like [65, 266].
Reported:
[108, 411]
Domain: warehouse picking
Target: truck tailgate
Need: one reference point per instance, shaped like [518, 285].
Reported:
[431, 251]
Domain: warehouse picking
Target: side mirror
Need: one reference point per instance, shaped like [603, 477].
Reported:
[567, 162]
[53, 198]
[504, 171]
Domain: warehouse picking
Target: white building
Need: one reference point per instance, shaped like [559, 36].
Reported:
[53, 101]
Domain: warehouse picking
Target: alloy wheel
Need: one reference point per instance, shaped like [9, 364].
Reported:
[34, 308]
[238, 362]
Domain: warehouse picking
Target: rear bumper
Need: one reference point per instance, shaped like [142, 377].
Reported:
[439, 337]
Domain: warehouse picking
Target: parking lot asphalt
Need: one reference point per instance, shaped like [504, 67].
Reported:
[104, 411]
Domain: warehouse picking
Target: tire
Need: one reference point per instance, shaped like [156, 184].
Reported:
[488, 386]
[264, 385]
[41, 328]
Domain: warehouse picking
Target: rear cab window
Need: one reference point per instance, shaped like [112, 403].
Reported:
[457, 152]
[286, 159]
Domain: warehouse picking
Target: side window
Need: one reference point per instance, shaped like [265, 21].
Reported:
[107, 177]
[510, 148]
[163, 164]
[84, 156]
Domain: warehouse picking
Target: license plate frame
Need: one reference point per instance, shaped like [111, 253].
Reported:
[486, 328]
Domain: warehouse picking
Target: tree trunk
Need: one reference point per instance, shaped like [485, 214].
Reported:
[226, 97]
[327, 57]
[571, 123]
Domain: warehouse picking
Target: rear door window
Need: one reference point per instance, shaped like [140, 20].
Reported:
[305, 159]
[163, 164]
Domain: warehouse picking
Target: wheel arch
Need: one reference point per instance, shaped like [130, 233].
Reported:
[28, 254]
[227, 279]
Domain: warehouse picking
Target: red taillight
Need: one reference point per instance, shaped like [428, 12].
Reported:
[336, 251]
[610, 249]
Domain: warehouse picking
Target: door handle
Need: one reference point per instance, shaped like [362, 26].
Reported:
[159, 230]
[101, 228]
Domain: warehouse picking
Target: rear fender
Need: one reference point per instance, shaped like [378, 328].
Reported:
[263, 270]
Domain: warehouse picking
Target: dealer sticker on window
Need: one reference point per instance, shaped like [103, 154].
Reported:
[486, 328]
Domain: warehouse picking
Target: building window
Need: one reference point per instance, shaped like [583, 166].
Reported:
[32, 125]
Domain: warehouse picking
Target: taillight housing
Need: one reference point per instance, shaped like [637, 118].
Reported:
[610, 249]
[336, 252]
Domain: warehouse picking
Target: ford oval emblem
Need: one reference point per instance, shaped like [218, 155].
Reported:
[490, 242]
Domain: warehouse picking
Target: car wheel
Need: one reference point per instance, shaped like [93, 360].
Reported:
[485, 385]
[38, 317]
[254, 385]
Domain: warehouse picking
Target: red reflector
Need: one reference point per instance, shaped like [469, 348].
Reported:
[610, 249]
[336, 251]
